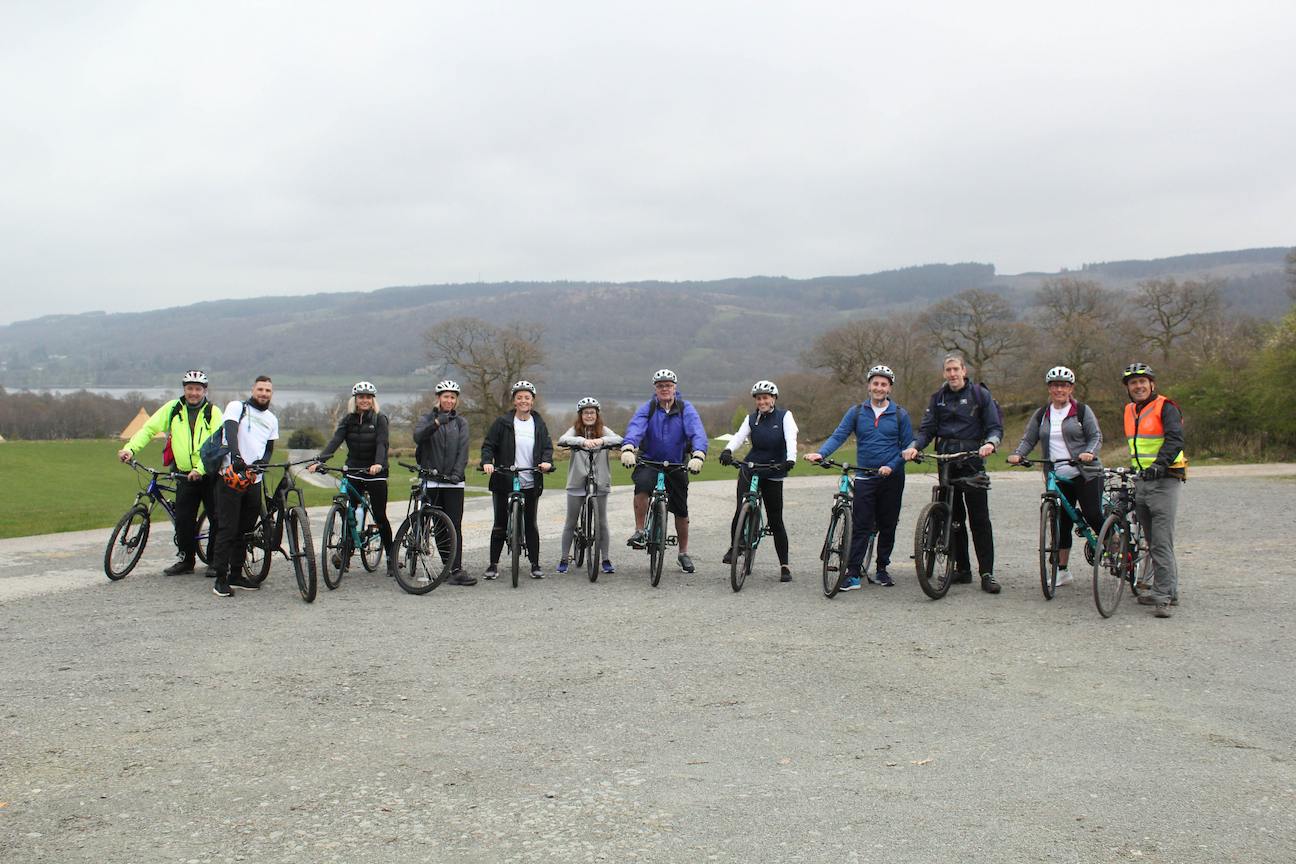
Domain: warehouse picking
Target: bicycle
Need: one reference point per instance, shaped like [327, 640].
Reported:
[348, 528]
[515, 527]
[426, 529]
[751, 525]
[654, 532]
[130, 535]
[835, 551]
[933, 552]
[1122, 554]
[1052, 504]
[281, 517]
[585, 536]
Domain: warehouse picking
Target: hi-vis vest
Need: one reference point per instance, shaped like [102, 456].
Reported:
[1146, 435]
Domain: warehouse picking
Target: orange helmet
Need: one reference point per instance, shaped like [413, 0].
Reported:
[234, 480]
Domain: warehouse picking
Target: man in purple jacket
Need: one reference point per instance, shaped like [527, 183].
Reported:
[665, 429]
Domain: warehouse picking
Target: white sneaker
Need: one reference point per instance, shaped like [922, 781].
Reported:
[1064, 577]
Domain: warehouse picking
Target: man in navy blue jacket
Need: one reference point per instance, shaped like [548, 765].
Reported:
[881, 429]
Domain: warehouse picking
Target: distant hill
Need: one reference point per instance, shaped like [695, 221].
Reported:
[601, 337]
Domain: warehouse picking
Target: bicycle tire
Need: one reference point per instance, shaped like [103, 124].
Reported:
[333, 547]
[302, 552]
[519, 538]
[933, 561]
[592, 528]
[256, 562]
[1144, 573]
[1111, 565]
[1048, 547]
[126, 543]
[657, 544]
[419, 572]
[202, 538]
[578, 538]
[371, 548]
[739, 549]
[835, 549]
[868, 553]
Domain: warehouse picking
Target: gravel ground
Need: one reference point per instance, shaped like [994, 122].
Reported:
[148, 720]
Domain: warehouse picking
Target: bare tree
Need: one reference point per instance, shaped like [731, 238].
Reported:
[486, 359]
[1080, 321]
[979, 324]
[1168, 311]
[847, 352]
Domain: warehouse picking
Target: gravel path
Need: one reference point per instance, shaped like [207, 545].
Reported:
[148, 720]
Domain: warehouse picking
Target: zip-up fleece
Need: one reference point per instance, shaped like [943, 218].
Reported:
[878, 440]
[442, 441]
[186, 440]
[501, 445]
[667, 436]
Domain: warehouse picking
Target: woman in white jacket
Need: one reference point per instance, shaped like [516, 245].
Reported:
[587, 432]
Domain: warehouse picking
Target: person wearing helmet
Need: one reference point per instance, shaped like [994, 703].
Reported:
[665, 429]
[250, 429]
[1155, 435]
[961, 416]
[187, 422]
[365, 430]
[881, 430]
[519, 439]
[1067, 429]
[773, 434]
[441, 443]
[588, 432]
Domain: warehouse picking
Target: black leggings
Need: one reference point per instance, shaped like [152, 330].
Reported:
[771, 492]
[531, 499]
[377, 489]
[451, 500]
[1089, 493]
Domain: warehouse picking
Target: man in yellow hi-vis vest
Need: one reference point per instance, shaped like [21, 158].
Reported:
[1154, 432]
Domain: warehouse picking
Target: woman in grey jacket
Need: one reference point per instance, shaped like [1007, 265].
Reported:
[1067, 429]
[588, 433]
[441, 442]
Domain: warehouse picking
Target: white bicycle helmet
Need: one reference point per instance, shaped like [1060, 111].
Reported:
[194, 376]
[519, 386]
[665, 375]
[1059, 374]
[447, 386]
[588, 402]
[364, 388]
[884, 371]
[769, 388]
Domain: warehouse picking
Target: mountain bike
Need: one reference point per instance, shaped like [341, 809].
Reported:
[283, 516]
[751, 525]
[515, 527]
[1052, 504]
[1122, 555]
[427, 530]
[130, 535]
[585, 536]
[933, 549]
[835, 551]
[654, 533]
[348, 527]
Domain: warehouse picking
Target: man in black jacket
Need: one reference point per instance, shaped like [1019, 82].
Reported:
[441, 442]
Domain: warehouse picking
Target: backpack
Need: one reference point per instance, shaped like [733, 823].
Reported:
[168, 455]
[214, 449]
[994, 403]
[1038, 416]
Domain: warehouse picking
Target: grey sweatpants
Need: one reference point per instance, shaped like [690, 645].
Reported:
[574, 504]
[1156, 503]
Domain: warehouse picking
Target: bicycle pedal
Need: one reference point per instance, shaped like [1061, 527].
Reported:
[672, 541]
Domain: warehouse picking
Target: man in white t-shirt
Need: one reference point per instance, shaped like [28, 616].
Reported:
[250, 431]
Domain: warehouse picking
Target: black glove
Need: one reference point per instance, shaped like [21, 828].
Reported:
[1153, 472]
[726, 457]
[789, 464]
[236, 461]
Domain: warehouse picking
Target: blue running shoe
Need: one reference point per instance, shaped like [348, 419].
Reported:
[607, 566]
[562, 565]
[850, 583]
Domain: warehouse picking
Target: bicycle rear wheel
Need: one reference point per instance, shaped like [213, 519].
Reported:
[835, 549]
[1111, 565]
[302, 551]
[592, 539]
[515, 548]
[333, 548]
[657, 543]
[1048, 547]
[868, 554]
[1143, 571]
[256, 563]
[933, 559]
[741, 549]
[371, 548]
[202, 536]
[126, 543]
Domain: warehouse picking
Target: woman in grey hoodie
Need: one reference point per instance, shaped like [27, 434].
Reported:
[1067, 429]
[588, 433]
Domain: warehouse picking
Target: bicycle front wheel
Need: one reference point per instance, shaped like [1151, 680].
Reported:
[256, 563]
[126, 543]
[742, 549]
[301, 551]
[371, 548]
[515, 549]
[1143, 570]
[657, 544]
[1048, 547]
[868, 554]
[202, 536]
[333, 548]
[1111, 565]
[592, 539]
[835, 549]
[933, 558]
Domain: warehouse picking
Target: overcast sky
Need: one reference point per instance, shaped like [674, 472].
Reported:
[159, 153]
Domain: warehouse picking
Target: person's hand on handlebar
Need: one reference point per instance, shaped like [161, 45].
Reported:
[1014, 459]
[124, 455]
[695, 462]
[813, 457]
[985, 450]
[1086, 457]
[884, 471]
[374, 470]
[194, 476]
[628, 458]
[545, 467]
[726, 457]
[909, 454]
[488, 468]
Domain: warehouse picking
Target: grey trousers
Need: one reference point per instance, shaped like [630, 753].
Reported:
[1156, 503]
[574, 504]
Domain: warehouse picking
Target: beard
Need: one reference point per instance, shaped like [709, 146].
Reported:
[261, 404]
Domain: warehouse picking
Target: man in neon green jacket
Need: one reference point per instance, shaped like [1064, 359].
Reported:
[187, 422]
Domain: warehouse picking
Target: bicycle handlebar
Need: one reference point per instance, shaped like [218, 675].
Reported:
[846, 466]
[664, 466]
[170, 475]
[429, 473]
[513, 469]
[324, 468]
[756, 466]
[1031, 463]
[946, 457]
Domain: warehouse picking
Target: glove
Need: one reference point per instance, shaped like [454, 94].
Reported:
[695, 462]
[726, 457]
[628, 457]
[1153, 472]
[789, 464]
[237, 463]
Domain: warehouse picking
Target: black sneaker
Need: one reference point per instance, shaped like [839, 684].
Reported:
[536, 572]
[184, 565]
[636, 540]
[686, 563]
[988, 583]
[492, 573]
[728, 557]
[883, 578]
[238, 580]
[785, 574]
[210, 573]
[221, 587]
[963, 577]
[459, 577]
